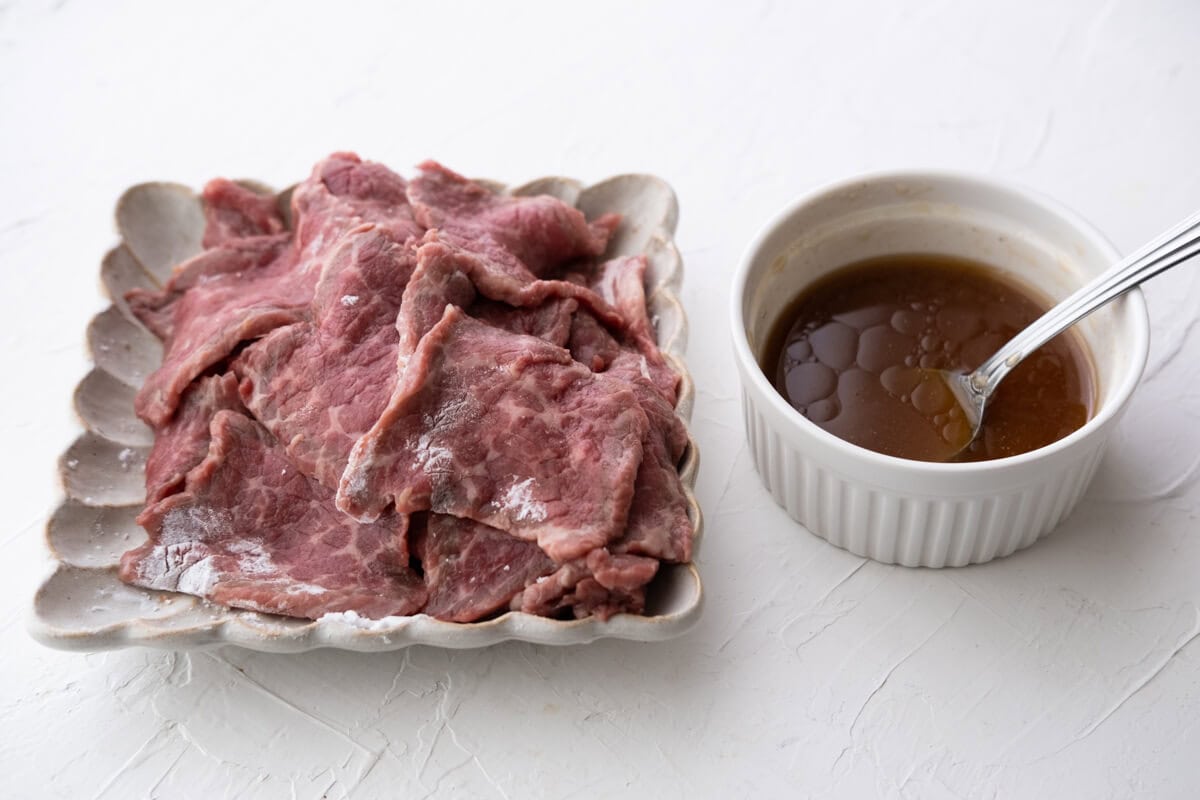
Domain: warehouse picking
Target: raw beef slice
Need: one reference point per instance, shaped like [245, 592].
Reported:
[319, 386]
[658, 521]
[416, 371]
[249, 531]
[209, 322]
[156, 307]
[183, 442]
[621, 282]
[449, 275]
[473, 570]
[551, 321]
[232, 211]
[234, 293]
[507, 430]
[600, 584]
[541, 232]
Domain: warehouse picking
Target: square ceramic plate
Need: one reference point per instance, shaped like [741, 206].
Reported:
[82, 605]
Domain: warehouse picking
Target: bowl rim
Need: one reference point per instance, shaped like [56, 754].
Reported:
[753, 378]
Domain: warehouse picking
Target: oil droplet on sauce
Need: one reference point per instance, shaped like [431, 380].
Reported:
[851, 354]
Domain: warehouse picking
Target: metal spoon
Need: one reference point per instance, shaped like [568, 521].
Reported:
[975, 390]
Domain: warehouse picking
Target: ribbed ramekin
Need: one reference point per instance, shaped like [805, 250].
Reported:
[909, 512]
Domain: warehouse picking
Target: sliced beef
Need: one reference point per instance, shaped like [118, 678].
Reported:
[527, 422]
[613, 579]
[319, 386]
[507, 430]
[156, 308]
[658, 522]
[319, 420]
[551, 321]
[621, 282]
[445, 276]
[600, 584]
[249, 531]
[348, 176]
[232, 211]
[540, 232]
[449, 275]
[210, 320]
[343, 192]
[240, 292]
[473, 570]
[591, 343]
[243, 232]
[183, 442]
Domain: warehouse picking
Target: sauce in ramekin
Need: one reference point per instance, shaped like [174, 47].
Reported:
[852, 353]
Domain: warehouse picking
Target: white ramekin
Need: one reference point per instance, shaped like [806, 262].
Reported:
[910, 512]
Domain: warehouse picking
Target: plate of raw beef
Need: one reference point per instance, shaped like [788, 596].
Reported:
[368, 412]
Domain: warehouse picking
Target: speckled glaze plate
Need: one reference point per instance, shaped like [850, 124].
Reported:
[82, 605]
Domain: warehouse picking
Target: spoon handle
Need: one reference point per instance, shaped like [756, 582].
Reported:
[1171, 248]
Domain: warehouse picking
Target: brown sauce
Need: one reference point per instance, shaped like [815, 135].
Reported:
[850, 354]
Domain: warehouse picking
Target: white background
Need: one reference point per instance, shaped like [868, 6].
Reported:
[1069, 670]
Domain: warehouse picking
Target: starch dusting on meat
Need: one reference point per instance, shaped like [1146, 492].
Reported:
[531, 442]
[251, 532]
[407, 396]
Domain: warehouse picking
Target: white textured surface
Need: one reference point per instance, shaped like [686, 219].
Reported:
[1071, 669]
